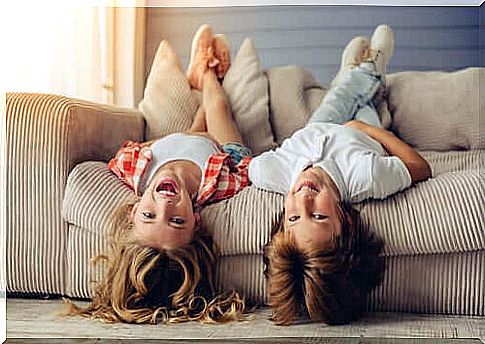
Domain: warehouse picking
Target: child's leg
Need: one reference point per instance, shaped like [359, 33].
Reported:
[199, 125]
[220, 123]
[340, 105]
[355, 90]
[379, 55]
[352, 56]
[355, 100]
[368, 114]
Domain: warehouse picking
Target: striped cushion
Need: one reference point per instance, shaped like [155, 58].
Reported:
[442, 283]
[438, 283]
[437, 216]
[432, 283]
[46, 136]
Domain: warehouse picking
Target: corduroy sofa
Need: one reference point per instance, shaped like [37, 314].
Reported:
[60, 192]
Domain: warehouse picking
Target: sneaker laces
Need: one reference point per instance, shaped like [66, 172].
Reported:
[371, 55]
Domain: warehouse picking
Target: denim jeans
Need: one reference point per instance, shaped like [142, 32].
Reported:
[351, 98]
[237, 151]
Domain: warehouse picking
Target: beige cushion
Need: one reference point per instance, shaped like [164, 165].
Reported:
[168, 104]
[419, 284]
[438, 110]
[294, 95]
[442, 215]
[437, 216]
[246, 87]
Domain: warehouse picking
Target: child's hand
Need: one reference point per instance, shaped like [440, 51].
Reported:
[356, 124]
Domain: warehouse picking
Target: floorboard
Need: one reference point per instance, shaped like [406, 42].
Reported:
[30, 318]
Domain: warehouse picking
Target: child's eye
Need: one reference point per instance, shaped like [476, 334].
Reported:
[293, 218]
[319, 216]
[148, 215]
[177, 220]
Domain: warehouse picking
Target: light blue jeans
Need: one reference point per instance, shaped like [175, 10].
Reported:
[351, 98]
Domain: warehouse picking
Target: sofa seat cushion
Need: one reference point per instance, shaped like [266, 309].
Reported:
[415, 284]
[443, 214]
[435, 283]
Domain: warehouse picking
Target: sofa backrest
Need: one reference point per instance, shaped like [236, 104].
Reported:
[430, 110]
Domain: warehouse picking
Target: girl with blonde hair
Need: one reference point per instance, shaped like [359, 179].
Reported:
[161, 262]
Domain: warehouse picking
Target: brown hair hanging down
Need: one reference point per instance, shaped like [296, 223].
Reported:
[329, 283]
[144, 285]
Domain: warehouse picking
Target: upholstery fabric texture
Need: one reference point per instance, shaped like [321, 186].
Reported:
[246, 87]
[47, 135]
[439, 110]
[410, 222]
[168, 103]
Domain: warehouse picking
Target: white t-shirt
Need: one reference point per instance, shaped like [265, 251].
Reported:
[358, 164]
[178, 146]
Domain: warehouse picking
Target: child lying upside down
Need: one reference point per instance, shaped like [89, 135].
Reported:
[161, 267]
[323, 262]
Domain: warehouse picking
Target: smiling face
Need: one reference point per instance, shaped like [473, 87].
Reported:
[164, 217]
[313, 214]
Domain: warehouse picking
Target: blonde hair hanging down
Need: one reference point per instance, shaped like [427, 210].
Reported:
[143, 285]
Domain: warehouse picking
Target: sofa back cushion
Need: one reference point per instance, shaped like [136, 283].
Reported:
[294, 95]
[438, 110]
[246, 87]
[168, 104]
[430, 110]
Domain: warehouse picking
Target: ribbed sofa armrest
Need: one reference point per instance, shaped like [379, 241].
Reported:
[47, 135]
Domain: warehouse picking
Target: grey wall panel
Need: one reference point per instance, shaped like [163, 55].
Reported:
[482, 35]
[427, 38]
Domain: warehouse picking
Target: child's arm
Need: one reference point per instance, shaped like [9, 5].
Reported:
[147, 143]
[417, 166]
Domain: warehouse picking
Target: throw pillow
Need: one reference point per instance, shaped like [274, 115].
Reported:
[438, 110]
[168, 104]
[247, 89]
[294, 95]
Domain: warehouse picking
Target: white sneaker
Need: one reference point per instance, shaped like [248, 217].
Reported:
[381, 49]
[352, 56]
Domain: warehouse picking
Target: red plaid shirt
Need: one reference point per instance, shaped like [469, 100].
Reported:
[222, 179]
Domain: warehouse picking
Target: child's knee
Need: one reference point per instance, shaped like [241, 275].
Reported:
[369, 116]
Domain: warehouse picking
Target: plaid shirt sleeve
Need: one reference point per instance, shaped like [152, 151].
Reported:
[223, 179]
[130, 163]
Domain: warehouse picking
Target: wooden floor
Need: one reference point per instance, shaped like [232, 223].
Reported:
[27, 318]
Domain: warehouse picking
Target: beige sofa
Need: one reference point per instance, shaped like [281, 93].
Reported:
[59, 194]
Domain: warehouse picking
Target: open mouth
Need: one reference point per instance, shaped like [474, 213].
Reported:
[167, 187]
[308, 185]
